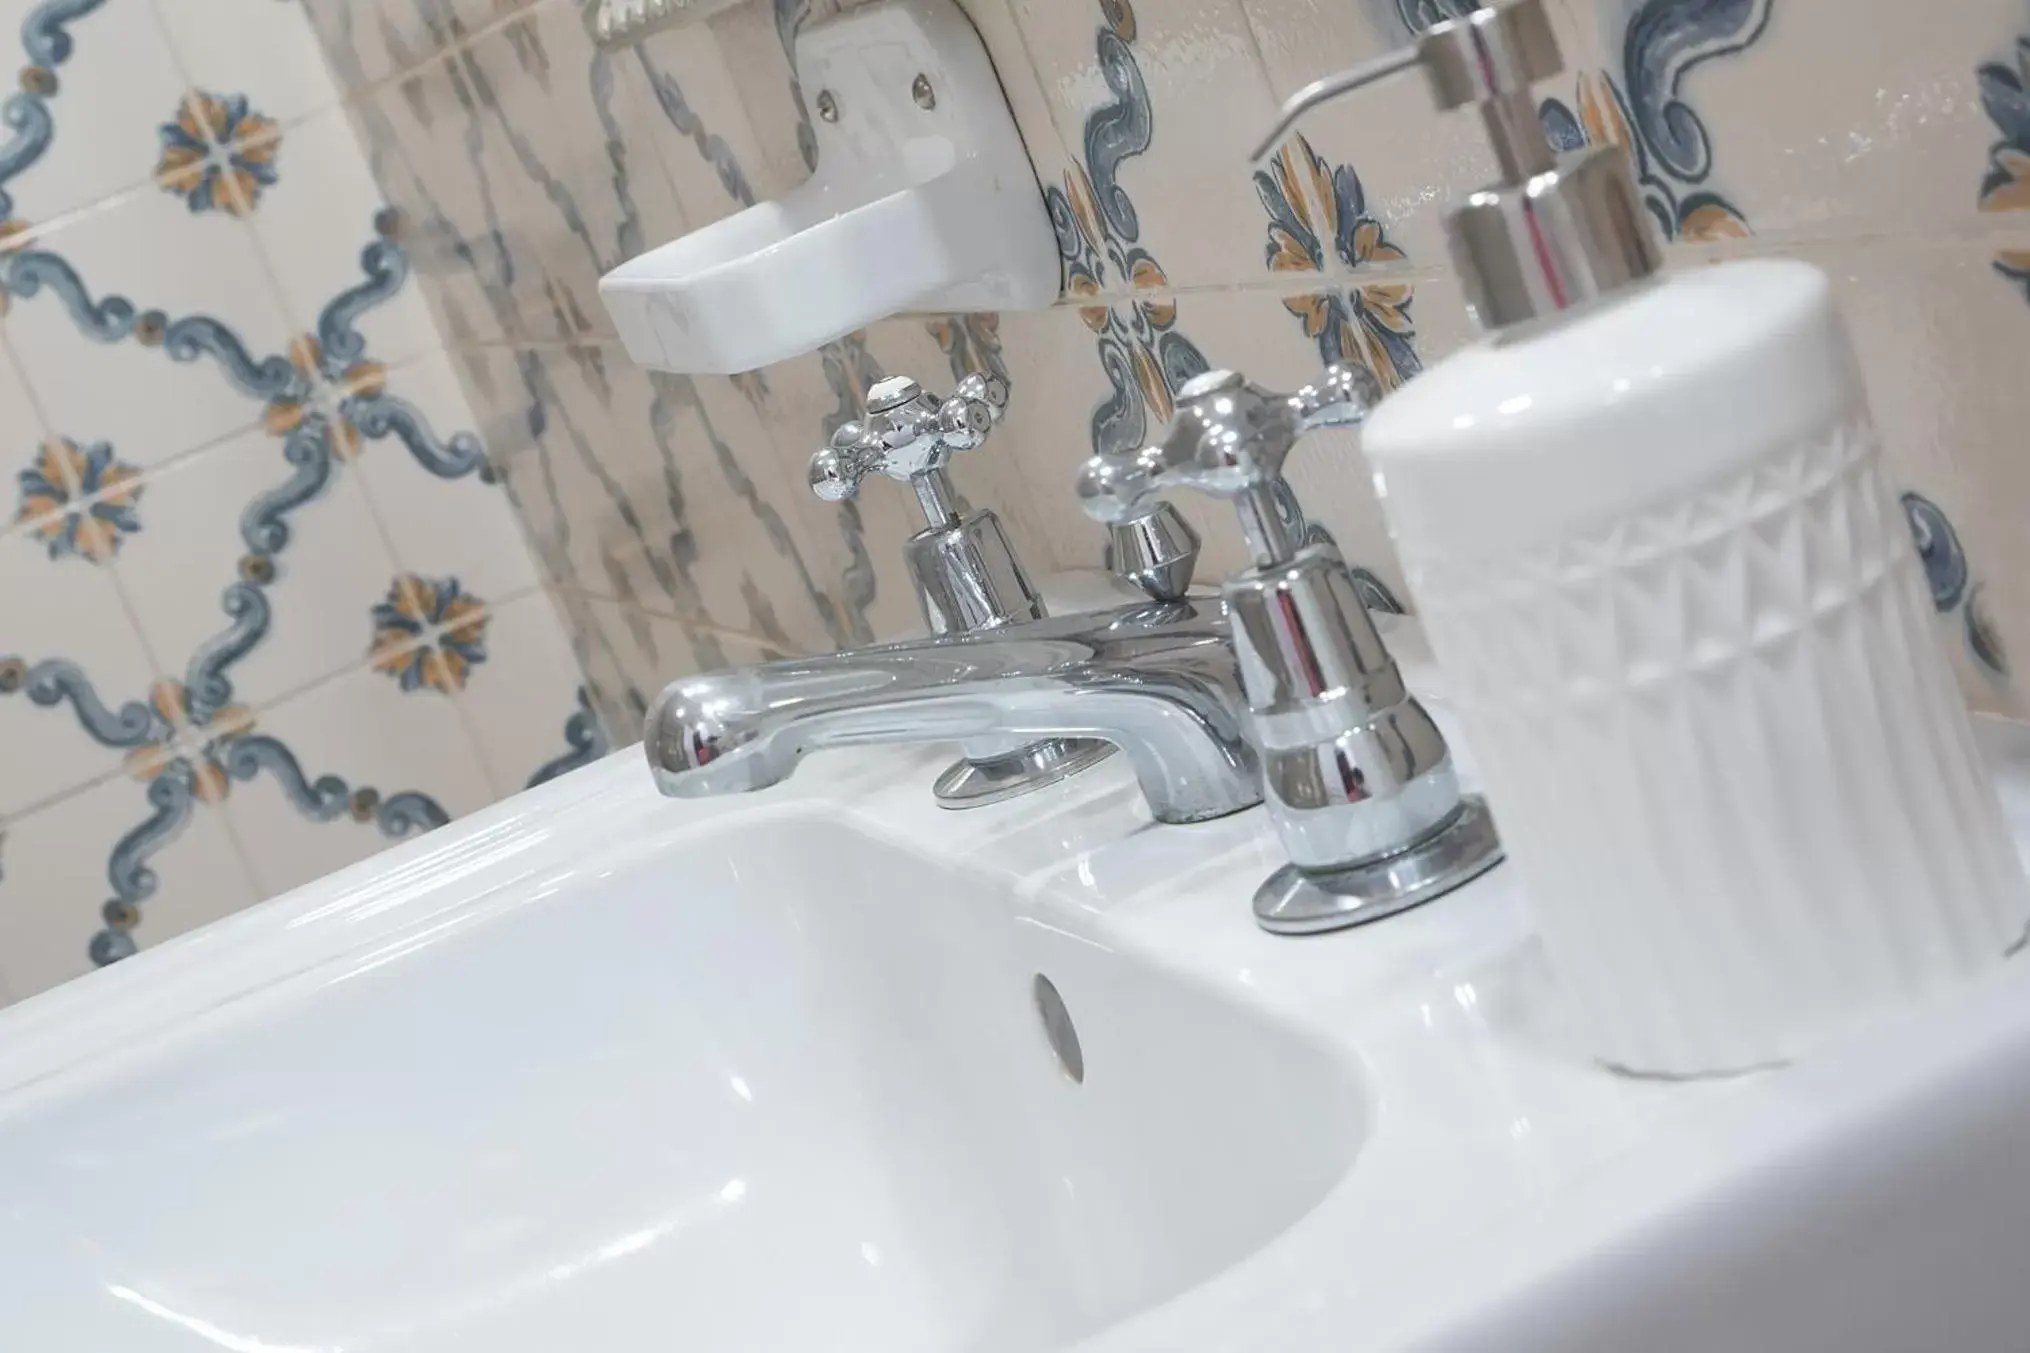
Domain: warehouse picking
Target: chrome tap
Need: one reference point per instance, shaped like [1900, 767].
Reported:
[965, 571]
[1158, 680]
[1358, 779]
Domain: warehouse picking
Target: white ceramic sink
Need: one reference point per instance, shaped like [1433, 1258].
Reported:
[601, 1071]
[781, 1085]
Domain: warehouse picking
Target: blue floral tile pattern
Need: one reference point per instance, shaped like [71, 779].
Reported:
[106, 498]
[429, 634]
[1311, 204]
[1644, 111]
[1950, 579]
[218, 154]
[2006, 185]
[191, 740]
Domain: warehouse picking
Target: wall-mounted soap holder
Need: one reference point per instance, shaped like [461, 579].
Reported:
[923, 199]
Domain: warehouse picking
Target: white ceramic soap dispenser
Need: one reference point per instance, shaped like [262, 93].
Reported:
[1647, 528]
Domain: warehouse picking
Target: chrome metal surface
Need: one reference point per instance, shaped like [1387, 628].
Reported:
[1354, 770]
[968, 578]
[981, 780]
[1295, 901]
[964, 568]
[1159, 681]
[1556, 232]
[1157, 552]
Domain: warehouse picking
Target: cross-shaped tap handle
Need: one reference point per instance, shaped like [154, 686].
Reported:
[1229, 439]
[910, 435]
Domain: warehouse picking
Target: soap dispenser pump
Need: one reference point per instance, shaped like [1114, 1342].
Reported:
[1645, 522]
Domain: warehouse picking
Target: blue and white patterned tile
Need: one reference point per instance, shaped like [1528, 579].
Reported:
[441, 504]
[720, 111]
[148, 325]
[527, 174]
[265, 49]
[1940, 333]
[73, 672]
[366, 41]
[528, 707]
[1383, 154]
[94, 86]
[1801, 119]
[348, 768]
[1161, 103]
[122, 866]
[632, 655]
[660, 492]
[330, 241]
[259, 575]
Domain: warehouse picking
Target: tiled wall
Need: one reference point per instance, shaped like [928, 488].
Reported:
[288, 434]
[264, 605]
[1887, 142]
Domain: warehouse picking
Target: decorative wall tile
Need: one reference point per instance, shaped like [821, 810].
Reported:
[1940, 337]
[635, 654]
[356, 763]
[187, 539]
[690, 83]
[260, 48]
[325, 232]
[72, 668]
[114, 83]
[56, 896]
[1807, 117]
[634, 489]
[528, 708]
[196, 579]
[1410, 162]
[1161, 103]
[444, 509]
[169, 307]
[368, 40]
[550, 179]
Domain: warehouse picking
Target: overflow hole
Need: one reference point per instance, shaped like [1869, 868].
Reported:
[1058, 1029]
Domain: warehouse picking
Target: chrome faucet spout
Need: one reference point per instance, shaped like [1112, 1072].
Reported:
[1159, 680]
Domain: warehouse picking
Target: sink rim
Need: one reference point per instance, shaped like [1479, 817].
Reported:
[1619, 1157]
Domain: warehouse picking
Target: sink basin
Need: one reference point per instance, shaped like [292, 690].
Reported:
[599, 1071]
[782, 1086]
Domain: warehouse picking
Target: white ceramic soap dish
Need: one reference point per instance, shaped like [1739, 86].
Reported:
[923, 199]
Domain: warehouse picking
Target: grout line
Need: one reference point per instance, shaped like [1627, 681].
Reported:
[62, 796]
[705, 627]
[444, 55]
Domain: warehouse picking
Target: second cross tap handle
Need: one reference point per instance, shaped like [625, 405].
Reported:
[910, 435]
[1229, 439]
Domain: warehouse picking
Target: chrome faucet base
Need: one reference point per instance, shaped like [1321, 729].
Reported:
[1299, 902]
[977, 783]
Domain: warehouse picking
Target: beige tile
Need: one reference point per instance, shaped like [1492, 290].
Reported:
[635, 653]
[699, 123]
[1382, 154]
[853, 548]
[641, 490]
[1810, 118]
[366, 41]
[57, 887]
[523, 171]
[1160, 103]
[1941, 336]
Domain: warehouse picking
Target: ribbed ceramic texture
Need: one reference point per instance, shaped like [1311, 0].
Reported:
[1731, 761]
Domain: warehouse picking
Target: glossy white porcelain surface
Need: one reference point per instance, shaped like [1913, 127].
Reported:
[598, 1070]
[922, 199]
